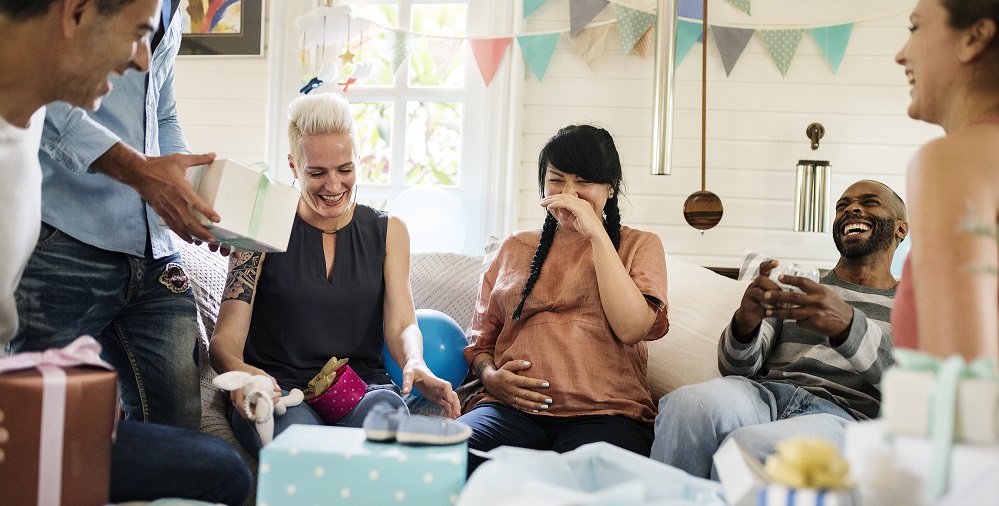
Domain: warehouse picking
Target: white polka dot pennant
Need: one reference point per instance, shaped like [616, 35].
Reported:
[631, 25]
[782, 45]
[742, 5]
[400, 44]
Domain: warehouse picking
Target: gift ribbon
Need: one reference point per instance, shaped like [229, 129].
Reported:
[50, 363]
[258, 204]
[943, 404]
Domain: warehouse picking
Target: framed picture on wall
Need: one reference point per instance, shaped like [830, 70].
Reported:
[222, 28]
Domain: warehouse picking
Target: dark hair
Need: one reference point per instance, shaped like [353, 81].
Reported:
[589, 153]
[21, 10]
[964, 13]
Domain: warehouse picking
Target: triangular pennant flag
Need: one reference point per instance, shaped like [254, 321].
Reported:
[582, 12]
[782, 45]
[690, 9]
[731, 42]
[832, 40]
[532, 5]
[538, 50]
[400, 44]
[631, 25]
[442, 51]
[687, 33]
[488, 54]
[742, 5]
[590, 43]
[644, 43]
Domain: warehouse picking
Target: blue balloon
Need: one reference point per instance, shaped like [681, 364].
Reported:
[443, 347]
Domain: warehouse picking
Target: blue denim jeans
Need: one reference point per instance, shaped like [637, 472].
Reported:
[695, 420]
[246, 431]
[147, 329]
[495, 424]
[151, 461]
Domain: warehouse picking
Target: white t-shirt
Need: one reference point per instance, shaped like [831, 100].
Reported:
[20, 210]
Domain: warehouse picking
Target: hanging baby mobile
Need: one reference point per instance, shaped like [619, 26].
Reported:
[332, 38]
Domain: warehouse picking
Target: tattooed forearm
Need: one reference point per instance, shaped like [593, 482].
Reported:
[481, 364]
[242, 279]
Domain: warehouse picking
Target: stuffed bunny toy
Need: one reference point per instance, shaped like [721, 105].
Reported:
[259, 393]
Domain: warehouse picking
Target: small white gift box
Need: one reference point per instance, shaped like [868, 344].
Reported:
[747, 484]
[257, 212]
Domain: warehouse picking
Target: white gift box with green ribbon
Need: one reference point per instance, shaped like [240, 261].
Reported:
[916, 394]
[941, 402]
[257, 212]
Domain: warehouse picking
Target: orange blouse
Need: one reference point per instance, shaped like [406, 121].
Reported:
[563, 331]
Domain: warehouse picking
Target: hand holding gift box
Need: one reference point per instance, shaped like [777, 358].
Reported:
[257, 212]
[47, 460]
[335, 390]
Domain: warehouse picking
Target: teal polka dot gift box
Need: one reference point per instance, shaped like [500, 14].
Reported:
[308, 464]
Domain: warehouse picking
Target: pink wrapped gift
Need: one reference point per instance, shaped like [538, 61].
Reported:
[59, 409]
[345, 392]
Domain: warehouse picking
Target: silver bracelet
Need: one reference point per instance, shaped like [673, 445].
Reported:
[250, 415]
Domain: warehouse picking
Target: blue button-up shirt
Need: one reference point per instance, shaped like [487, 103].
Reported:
[94, 208]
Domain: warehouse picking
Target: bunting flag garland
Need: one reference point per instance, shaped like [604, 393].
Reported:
[326, 27]
[631, 25]
[590, 44]
[442, 51]
[581, 12]
[532, 5]
[832, 40]
[731, 42]
[538, 51]
[687, 33]
[400, 44]
[782, 45]
[742, 5]
[644, 43]
[488, 54]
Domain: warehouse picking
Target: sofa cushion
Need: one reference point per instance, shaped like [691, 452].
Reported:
[701, 304]
[447, 282]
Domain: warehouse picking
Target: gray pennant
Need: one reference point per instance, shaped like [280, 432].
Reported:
[582, 12]
[731, 42]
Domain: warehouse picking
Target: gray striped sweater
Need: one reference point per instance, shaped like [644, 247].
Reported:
[848, 374]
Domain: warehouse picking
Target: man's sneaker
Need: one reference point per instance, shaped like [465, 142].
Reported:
[382, 422]
[429, 430]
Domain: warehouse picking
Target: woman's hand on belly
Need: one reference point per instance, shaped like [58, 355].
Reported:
[512, 389]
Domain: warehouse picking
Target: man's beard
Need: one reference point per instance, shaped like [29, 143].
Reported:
[882, 238]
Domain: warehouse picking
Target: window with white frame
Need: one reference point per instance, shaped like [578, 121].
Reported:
[420, 149]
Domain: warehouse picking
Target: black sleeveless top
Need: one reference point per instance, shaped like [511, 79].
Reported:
[300, 319]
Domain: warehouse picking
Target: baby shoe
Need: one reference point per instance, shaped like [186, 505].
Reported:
[382, 422]
[430, 430]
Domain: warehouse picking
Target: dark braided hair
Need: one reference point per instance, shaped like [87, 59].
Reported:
[589, 153]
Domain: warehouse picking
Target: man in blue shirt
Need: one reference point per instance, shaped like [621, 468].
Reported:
[103, 265]
[85, 40]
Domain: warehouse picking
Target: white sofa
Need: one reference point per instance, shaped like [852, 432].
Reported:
[701, 304]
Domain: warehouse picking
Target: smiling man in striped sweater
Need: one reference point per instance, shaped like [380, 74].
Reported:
[797, 364]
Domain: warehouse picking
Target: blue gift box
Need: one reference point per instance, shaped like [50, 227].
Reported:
[311, 464]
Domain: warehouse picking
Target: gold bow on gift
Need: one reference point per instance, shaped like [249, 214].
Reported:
[808, 463]
[325, 379]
